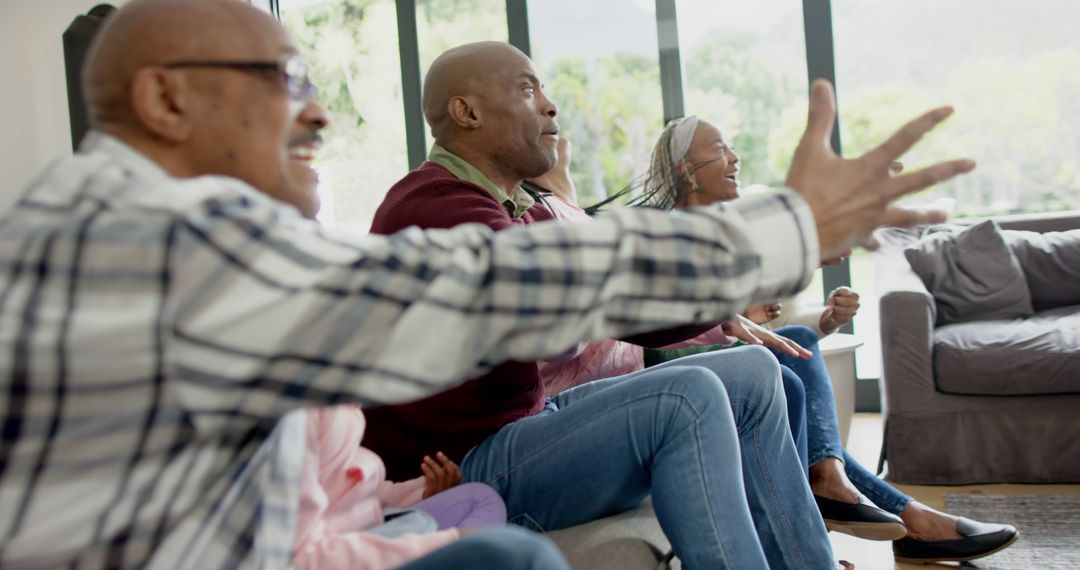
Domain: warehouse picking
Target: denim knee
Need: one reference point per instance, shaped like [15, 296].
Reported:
[804, 336]
[697, 384]
[794, 390]
[765, 382]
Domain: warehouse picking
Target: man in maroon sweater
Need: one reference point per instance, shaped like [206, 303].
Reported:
[493, 127]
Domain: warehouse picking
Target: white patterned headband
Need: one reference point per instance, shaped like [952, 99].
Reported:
[682, 136]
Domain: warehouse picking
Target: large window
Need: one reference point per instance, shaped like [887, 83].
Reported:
[745, 69]
[353, 48]
[1011, 68]
[605, 78]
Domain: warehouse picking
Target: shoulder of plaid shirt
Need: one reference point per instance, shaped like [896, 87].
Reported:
[157, 332]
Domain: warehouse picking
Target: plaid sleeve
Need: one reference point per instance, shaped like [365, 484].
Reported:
[272, 312]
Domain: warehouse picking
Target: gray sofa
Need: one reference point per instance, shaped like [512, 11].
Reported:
[981, 401]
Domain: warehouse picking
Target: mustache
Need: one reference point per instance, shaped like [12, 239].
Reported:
[312, 138]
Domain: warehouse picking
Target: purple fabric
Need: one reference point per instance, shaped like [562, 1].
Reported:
[464, 506]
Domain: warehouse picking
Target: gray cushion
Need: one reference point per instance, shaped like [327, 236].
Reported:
[1037, 355]
[1051, 265]
[972, 274]
[628, 541]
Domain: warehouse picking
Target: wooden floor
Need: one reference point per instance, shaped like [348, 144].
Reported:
[864, 443]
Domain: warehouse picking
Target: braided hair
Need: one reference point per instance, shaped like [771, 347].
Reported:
[660, 186]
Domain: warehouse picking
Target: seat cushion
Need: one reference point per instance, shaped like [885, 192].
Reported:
[628, 541]
[1037, 355]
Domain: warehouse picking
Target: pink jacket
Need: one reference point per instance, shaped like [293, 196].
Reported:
[605, 358]
[343, 492]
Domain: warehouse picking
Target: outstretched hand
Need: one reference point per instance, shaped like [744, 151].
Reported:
[852, 197]
[439, 475]
[750, 332]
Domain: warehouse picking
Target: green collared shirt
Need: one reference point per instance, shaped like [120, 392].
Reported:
[516, 203]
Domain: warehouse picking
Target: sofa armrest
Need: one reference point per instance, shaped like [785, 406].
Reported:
[907, 333]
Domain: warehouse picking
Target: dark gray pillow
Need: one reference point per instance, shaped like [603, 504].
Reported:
[972, 274]
[1051, 264]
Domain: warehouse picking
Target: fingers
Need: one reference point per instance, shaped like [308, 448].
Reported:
[896, 167]
[799, 350]
[785, 345]
[905, 138]
[822, 114]
[838, 260]
[431, 480]
[430, 466]
[924, 178]
[453, 472]
[900, 217]
[744, 331]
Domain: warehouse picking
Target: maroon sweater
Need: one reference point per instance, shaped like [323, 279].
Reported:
[458, 419]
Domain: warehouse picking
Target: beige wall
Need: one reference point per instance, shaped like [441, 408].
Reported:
[33, 95]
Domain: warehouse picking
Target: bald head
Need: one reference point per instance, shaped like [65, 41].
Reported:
[228, 110]
[485, 104]
[155, 32]
[468, 70]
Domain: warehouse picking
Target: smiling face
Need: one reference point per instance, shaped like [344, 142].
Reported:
[235, 103]
[249, 127]
[711, 169]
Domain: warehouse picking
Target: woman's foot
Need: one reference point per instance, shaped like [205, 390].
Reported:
[828, 480]
[845, 510]
[925, 523]
[862, 520]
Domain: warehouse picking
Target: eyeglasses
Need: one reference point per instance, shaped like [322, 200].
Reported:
[294, 70]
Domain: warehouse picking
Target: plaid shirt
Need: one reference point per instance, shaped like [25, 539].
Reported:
[157, 332]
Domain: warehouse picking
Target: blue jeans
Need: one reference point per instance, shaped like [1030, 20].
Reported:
[706, 435]
[822, 427]
[506, 548]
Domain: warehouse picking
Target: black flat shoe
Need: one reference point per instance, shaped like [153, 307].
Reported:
[862, 520]
[980, 539]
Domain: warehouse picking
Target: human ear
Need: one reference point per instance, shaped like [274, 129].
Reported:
[161, 101]
[464, 112]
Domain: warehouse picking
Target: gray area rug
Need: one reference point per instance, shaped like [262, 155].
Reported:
[1049, 528]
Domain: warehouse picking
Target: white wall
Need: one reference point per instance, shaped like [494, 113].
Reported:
[34, 126]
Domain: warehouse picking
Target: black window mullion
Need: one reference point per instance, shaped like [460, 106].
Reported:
[409, 48]
[517, 25]
[671, 77]
[821, 64]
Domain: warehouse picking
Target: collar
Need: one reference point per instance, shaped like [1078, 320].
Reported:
[139, 165]
[516, 203]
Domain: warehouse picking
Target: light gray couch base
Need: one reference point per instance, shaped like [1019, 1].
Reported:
[627, 541]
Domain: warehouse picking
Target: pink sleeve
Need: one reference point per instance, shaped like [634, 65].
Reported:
[714, 335]
[401, 495]
[368, 551]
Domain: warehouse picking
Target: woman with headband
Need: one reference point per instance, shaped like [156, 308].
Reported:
[694, 165]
